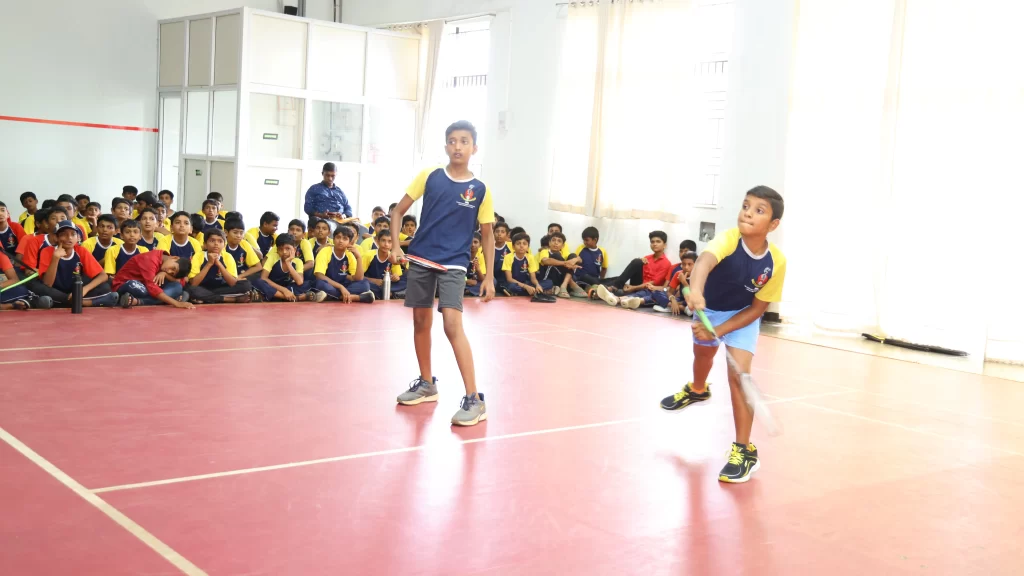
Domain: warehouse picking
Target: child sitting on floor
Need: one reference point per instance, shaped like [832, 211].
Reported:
[11, 232]
[262, 239]
[118, 256]
[30, 203]
[558, 267]
[642, 278]
[121, 209]
[339, 272]
[377, 263]
[104, 240]
[211, 217]
[370, 243]
[150, 279]
[321, 237]
[282, 275]
[217, 281]
[247, 263]
[593, 260]
[520, 269]
[181, 244]
[408, 230]
[59, 264]
[477, 270]
[17, 298]
[680, 280]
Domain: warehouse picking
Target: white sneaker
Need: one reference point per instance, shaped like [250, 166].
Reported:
[608, 297]
[632, 303]
[662, 309]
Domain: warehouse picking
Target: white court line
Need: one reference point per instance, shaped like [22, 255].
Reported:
[168, 553]
[256, 337]
[359, 456]
[245, 348]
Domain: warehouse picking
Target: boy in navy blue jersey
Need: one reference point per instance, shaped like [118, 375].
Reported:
[211, 218]
[118, 256]
[593, 261]
[321, 237]
[59, 264]
[377, 263]
[477, 270]
[339, 271]
[247, 263]
[454, 201]
[557, 266]
[282, 275]
[104, 240]
[11, 232]
[737, 276]
[217, 281]
[520, 268]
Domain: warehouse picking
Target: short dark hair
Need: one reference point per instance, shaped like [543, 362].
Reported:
[345, 231]
[214, 232]
[461, 125]
[285, 239]
[329, 167]
[691, 255]
[96, 205]
[521, 236]
[297, 222]
[184, 267]
[49, 203]
[42, 215]
[129, 190]
[555, 224]
[658, 234]
[198, 222]
[209, 202]
[109, 219]
[774, 199]
[157, 204]
[591, 232]
[168, 192]
[324, 222]
[384, 233]
[392, 207]
[478, 237]
[66, 198]
[148, 197]
[501, 225]
[27, 195]
[688, 245]
[233, 224]
[517, 230]
[179, 214]
[558, 235]
[149, 210]
[130, 223]
[376, 209]
[408, 218]
[3, 204]
[382, 220]
[233, 215]
[269, 217]
[544, 240]
[215, 196]
[81, 197]
[117, 201]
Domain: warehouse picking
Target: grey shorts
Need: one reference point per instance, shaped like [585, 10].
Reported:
[423, 283]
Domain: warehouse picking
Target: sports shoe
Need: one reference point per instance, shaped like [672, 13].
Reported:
[743, 462]
[317, 295]
[609, 298]
[419, 391]
[473, 411]
[631, 302]
[107, 300]
[367, 297]
[662, 309]
[684, 398]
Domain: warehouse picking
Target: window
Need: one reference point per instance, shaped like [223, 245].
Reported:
[638, 135]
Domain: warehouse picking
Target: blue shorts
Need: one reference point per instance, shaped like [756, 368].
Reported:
[745, 338]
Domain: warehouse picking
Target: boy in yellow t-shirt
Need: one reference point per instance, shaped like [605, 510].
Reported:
[520, 268]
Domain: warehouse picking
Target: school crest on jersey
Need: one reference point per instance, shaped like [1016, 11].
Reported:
[11, 241]
[761, 280]
[344, 265]
[525, 266]
[468, 197]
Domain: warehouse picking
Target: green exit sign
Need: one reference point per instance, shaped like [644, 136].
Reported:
[269, 136]
[271, 182]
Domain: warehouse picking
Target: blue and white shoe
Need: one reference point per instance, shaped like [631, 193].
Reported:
[419, 391]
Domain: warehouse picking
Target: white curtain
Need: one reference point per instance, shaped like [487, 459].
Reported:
[904, 163]
[630, 111]
[434, 32]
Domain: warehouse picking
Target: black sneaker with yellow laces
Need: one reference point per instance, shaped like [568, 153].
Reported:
[687, 396]
[743, 462]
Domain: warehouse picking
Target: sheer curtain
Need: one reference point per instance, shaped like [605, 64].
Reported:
[903, 165]
[629, 110]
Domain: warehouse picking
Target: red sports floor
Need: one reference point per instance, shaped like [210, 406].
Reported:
[266, 440]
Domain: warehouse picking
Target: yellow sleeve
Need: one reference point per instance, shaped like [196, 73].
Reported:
[197, 258]
[158, 236]
[229, 265]
[110, 260]
[506, 265]
[163, 244]
[368, 257]
[772, 290]
[250, 237]
[545, 253]
[29, 224]
[366, 246]
[322, 260]
[419, 184]
[297, 265]
[481, 264]
[201, 238]
[724, 244]
[604, 258]
[485, 214]
[307, 250]
[135, 214]
[84, 224]
[580, 249]
[402, 237]
[251, 259]
[167, 223]
[89, 243]
[22, 218]
[142, 249]
[271, 260]
[117, 242]
[223, 214]
[396, 269]
[532, 263]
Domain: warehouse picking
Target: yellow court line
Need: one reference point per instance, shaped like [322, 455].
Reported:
[154, 543]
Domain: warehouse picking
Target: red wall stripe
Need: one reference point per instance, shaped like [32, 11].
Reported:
[78, 124]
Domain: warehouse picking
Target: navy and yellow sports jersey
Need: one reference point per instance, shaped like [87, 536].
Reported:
[9, 241]
[151, 245]
[99, 251]
[80, 260]
[520, 267]
[243, 255]
[500, 253]
[191, 249]
[335, 267]
[451, 211]
[317, 247]
[303, 250]
[258, 240]
[741, 275]
[374, 267]
[117, 258]
[278, 275]
[215, 278]
[217, 224]
[594, 260]
[477, 267]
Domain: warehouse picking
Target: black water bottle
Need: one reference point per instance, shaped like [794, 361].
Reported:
[76, 295]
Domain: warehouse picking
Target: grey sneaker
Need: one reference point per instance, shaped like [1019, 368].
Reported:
[419, 391]
[473, 411]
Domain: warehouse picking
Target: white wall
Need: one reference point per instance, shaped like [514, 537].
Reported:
[523, 80]
[89, 62]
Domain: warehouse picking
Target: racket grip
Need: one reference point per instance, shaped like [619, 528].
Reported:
[700, 314]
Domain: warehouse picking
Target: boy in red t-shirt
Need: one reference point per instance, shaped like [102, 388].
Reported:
[142, 281]
[644, 277]
[59, 264]
[11, 232]
[16, 298]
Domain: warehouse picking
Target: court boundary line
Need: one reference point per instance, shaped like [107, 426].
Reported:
[215, 350]
[132, 527]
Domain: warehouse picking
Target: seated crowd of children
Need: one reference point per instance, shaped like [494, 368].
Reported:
[138, 255]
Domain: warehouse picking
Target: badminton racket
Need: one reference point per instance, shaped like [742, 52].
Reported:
[751, 393]
[22, 281]
[425, 263]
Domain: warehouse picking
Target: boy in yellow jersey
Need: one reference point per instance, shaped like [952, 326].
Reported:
[30, 203]
[377, 263]
[217, 281]
[247, 263]
[408, 230]
[477, 270]
[282, 275]
[148, 224]
[502, 248]
[181, 244]
[520, 268]
[104, 240]
[118, 256]
[166, 197]
[339, 271]
[370, 244]
[211, 218]
[303, 248]
[739, 273]
[262, 239]
[163, 222]
[557, 264]
[593, 261]
[121, 210]
[321, 237]
[454, 202]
